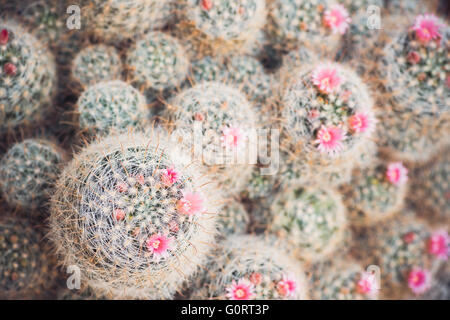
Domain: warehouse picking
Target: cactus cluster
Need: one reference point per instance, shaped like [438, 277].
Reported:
[28, 172]
[141, 207]
[111, 105]
[28, 77]
[247, 268]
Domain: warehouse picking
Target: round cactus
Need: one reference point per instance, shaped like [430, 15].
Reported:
[311, 220]
[376, 193]
[308, 23]
[140, 206]
[342, 279]
[96, 63]
[247, 268]
[211, 27]
[116, 20]
[28, 77]
[232, 219]
[24, 267]
[408, 8]
[111, 105]
[440, 289]
[225, 117]
[28, 171]
[157, 62]
[358, 6]
[327, 118]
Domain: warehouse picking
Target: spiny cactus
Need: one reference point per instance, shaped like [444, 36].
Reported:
[111, 105]
[232, 219]
[212, 27]
[408, 7]
[359, 6]
[440, 289]
[341, 279]
[376, 193]
[157, 62]
[307, 23]
[142, 207]
[96, 63]
[28, 76]
[24, 264]
[225, 117]
[247, 267]
[406, 251]
[28, 171]
[327, 118]
[116, 20]
[311, 220]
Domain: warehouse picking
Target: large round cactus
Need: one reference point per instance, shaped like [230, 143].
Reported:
[142, 208]
[28, 172]
[248, 268]
[28, 77]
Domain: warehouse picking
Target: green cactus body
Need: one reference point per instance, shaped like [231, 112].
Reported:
[96, 63]
[140, 206]
[311, 220]
[111, 105]
[157, 62]
[28, 77]
[233, 219]
[256, 267]
[28, 171]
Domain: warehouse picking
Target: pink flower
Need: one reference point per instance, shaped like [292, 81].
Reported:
[190, 204]
[287, 287]
[10, 69]
[336, 18]
[122, 187]
[397, 174]
[242, 290]
[329, 140]
[119, 214]
[4, 37]
[419, 280]
[232, 137]
[206, 5]
[413, 57]
[326, 78]
[409, 237]
[159, 245]
[438, 244]
[367, 284]
[256, 278]
[427, 27]
[170, 176]
[362, 122]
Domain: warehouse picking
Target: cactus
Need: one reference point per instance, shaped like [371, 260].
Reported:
[375, 193]
[219, 27]
[24, 265]
[114, 20]
[28, 77]
[247, 267]
[408, 8]
[158, 62]
[327, 123]
[96, 63]
[111, 105]
[359, 6]
[307, 23]
[233, 219]
[311, 220]
[28, 171]
[225, 118]
[140, 206]
[440, 289]
[341, 279]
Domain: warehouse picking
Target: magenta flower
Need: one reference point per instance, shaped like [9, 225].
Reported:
[206, 5]
[159, 245]
[10, 69]
[326, 78]
[367, 284]
[413, 57]
[256, 278]
[4, 37]
[190, 204]
[419, 280]
[336, 18]
[427, 27]
[232, 137]
[438, 244]
[397, 174]
[287, 287]
[329, 140]
[362, 122]
[169, 176]
[119, 214]
[242, 290]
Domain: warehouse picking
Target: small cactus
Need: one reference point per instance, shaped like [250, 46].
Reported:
[311, 220]
[28, 172]
[140, 206]
[247, 268]
[111, 105]
[232, 219]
